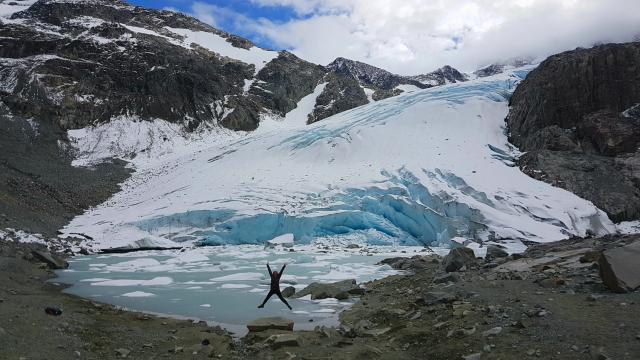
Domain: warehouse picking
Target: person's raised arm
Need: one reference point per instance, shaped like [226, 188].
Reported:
[269, 268]
[282, 270]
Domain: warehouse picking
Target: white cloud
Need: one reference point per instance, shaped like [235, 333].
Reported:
[415, 36]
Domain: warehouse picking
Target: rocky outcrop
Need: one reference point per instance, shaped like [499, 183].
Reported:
[270, 323]
[340, 94]
[575, 117]
[285, 80]
[444, 75]
[369, 75]
[339, 290]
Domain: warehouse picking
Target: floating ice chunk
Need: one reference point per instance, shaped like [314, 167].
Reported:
[94, 280]
[329, 311]
[160, 280]
[258, 290]
[138, 294]
[194, 287]
[205, 305]
[188, 257]
[248, 276]
[133, 265]
[235, 286]
[285, 240]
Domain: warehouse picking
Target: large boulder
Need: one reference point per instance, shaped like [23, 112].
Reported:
[620, 268]
[494, 252]
[270, 323]
[52, 261]
[339, 290]
[288, 291]
[459, 257]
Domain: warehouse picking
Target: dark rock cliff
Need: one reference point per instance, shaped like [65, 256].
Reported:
[576, 117]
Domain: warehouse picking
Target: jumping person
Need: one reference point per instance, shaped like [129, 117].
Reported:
[275, 286]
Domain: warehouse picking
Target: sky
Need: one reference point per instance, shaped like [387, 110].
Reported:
[410, 37]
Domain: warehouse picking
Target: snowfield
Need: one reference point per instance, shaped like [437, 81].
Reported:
[420, 168]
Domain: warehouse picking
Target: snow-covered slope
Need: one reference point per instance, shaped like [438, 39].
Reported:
[419, 168]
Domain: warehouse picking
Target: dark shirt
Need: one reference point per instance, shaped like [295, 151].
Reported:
[275, 278]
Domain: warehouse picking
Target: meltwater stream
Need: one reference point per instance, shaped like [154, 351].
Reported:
[223, 285]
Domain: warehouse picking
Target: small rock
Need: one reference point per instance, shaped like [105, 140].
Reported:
[54, 311]
[376, 332]
[575, 348]
[441, 325]
[475, 356]
[353, 246]
[438, 297]
[282, 340]
[147, 345]
[594, 297]
[205, 342]
[288, 291]
[492, 332]
[459, 333]
[589, 257]
[598, 353]
[177, 349]
[416, 316]
[122, 353]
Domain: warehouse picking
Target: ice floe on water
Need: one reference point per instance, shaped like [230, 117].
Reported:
[138, 294]
[224, 289]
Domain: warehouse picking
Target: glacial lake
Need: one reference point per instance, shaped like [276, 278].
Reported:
[223, 285]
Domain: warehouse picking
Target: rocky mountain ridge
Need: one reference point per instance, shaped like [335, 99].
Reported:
[68, 65]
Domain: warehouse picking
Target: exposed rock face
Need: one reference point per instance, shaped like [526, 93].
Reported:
[341, 93]
[369, 75]
[444, 75]
[576, 117]
[500, 67]
[286, 80]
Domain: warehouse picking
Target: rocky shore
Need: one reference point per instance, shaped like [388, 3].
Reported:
[548, 303]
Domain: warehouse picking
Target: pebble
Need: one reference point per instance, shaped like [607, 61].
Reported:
[123, 353]
[575, 348]
[475, 356]
[177, 349]
[638, 337]
[492, 332]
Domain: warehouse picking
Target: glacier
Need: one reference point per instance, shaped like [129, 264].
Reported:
[421, 168]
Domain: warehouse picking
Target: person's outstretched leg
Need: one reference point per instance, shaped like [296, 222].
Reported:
[265, 300]
[283, 300]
